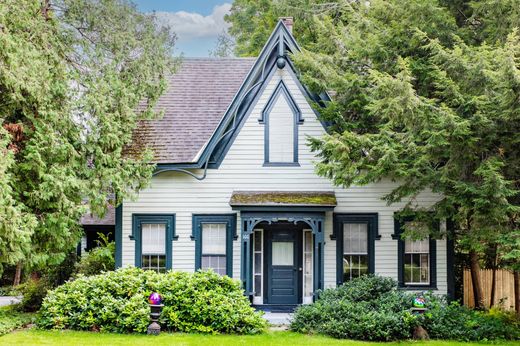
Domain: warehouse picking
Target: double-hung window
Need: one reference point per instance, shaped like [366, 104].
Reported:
[213, 245]
[214, 235]
[416, 258]
[416, 262]
[153, 235]
[153, 246]
[355, 250]
[355, 236]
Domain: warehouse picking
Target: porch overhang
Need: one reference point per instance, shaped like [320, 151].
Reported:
[283, 200]
[251, 218]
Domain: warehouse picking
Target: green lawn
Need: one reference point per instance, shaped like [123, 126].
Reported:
[37, 337]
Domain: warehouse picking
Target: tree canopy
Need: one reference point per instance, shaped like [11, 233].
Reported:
[72, 75]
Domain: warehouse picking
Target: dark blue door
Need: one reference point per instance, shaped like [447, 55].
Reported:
[283, 265]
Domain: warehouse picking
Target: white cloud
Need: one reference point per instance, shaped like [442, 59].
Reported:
[190, 25]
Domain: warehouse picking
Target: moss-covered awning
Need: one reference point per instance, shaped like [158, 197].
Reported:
[323, 200]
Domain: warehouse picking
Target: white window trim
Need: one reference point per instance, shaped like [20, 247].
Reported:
[259, 300]
[307, 299]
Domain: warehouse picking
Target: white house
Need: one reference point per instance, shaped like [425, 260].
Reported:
[235, 190]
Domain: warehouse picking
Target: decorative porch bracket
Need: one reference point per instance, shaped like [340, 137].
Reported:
[315, 220]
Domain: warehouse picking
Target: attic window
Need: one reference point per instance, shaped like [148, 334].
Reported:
[281, 117]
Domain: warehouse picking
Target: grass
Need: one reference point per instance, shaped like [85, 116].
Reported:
[39, 337]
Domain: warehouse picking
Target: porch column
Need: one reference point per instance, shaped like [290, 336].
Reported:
[318, 265]
[246, 276]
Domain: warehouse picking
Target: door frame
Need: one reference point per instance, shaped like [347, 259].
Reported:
[251, 219]
[298, 254]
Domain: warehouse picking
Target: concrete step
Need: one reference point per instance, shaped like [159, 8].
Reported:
[278, 318]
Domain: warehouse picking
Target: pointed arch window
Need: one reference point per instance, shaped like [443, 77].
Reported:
[281, 117]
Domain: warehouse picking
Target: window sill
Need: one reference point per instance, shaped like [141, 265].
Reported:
[281, 164]
[418, 287]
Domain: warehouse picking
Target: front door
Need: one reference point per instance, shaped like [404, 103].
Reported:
[283, 264]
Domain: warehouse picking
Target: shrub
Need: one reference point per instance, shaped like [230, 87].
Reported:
[117, 302]
[99, 259]
[371, 308]
[452, 321]
[367, 308]
[33, 292]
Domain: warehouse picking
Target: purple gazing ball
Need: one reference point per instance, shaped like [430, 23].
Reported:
[154, 298]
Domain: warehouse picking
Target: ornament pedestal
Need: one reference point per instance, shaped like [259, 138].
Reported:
[155, 311]
[419, 332]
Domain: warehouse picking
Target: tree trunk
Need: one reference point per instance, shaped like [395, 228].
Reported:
[475, 280]
[493, 286]
[18, 274]
[493, 276]
[517, 291]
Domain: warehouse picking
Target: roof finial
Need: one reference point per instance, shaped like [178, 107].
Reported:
[288, 22]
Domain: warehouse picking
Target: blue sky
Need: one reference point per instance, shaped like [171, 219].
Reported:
[196, 22]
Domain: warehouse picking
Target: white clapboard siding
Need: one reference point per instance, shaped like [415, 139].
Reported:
[242, 169]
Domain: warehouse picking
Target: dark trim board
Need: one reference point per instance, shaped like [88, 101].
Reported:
[398, 230]
[339, 219]
[231, 234]
[167, 219]
[119, 236]
[276, 308]
[450, 259]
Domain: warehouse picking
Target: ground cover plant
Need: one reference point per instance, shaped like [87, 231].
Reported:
[11, 319]
[372, 308]
[117, 302]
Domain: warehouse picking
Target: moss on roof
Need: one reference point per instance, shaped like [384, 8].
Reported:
[296, 198]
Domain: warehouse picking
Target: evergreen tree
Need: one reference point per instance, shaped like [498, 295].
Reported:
[72, 75]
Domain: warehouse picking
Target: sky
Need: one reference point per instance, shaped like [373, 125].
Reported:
[196, 22]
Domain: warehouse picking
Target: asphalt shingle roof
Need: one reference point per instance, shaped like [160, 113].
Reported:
[197, 97]
[109, 219]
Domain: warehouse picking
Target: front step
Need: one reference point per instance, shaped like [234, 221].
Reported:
[276, 308]
[278, 318]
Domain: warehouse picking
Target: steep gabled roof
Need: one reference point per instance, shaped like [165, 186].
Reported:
[195, 101]
[207, 103]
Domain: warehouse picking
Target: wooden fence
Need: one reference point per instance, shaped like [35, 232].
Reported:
[504, 289]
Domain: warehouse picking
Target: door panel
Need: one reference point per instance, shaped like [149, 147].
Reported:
[283, 263]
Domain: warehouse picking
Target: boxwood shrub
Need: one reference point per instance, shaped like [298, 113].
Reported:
[117, 302]
[372, 308]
